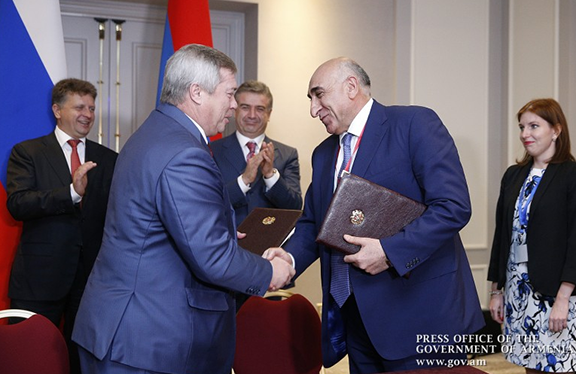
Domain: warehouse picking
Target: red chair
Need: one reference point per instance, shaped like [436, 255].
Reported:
[280, 337]
[32, 346]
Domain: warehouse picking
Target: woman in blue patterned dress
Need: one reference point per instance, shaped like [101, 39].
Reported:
[533, 260]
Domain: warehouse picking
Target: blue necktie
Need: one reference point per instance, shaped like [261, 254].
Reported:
[339, 277]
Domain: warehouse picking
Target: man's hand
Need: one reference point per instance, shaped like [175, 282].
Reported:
[240, 235]
[80, 177]
[274, 252]
[251, 171]
[370, 258]
[267, 166]
[282, 274]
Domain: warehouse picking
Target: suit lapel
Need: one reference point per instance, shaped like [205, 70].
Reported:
[234, 153]
[327, 173]
[515, 186]
[91, 154]
[549, 174]
[56, 159]
[276, 150]
[374, 132]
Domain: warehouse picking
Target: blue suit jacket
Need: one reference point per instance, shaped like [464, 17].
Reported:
[285, 194]
[406, 149]
[158, 297]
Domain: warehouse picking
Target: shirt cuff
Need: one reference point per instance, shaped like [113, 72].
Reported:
[270, 182]
[293, 261]
[74, 195]
[243, 187]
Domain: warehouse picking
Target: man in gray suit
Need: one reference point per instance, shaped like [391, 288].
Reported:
[268, 175]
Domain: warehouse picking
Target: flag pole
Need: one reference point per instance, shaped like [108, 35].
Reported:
[118, 23]
[101, 32]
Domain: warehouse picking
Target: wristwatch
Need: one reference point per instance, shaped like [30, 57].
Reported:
[274, 171]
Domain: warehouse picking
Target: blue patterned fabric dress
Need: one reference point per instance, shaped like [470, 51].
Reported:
[529, 342]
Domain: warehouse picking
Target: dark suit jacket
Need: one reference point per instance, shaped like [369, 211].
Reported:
[406, 149]
[54, 230]
[285, 194]
[551, 232]
[159, 295]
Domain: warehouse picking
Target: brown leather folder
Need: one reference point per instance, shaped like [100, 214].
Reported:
[267, 227]
[362, 208]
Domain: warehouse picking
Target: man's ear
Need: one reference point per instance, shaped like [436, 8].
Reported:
[352, 86]
[56, 110]
[196, 93]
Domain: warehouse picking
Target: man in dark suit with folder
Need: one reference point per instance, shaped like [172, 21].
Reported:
[405, 297]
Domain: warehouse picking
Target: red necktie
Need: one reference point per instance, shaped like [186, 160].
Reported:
[252, 147]
[74, 158]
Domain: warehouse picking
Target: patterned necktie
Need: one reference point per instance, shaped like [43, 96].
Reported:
[74, 158]
[252, 147]
[339, 277]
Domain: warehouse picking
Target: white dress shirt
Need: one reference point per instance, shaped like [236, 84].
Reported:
[356, 128]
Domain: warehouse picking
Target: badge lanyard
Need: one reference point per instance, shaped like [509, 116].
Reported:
[524, 204]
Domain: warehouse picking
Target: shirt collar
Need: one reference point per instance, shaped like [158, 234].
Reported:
[244, 139]
[63, 138]
[359, 122]
[202, 133]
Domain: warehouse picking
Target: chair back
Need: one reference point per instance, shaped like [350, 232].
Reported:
[280, 337]
[32, 346]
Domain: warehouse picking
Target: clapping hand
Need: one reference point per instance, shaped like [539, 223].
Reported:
[80, 177]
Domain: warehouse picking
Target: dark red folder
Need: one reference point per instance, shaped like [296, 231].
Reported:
[267, 227]
[362, 208]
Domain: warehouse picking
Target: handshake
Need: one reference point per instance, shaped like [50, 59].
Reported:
[282, 267]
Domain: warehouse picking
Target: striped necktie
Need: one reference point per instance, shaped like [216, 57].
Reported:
[339, 276]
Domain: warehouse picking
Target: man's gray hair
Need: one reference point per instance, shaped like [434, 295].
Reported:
[193, 63]
[358, 71]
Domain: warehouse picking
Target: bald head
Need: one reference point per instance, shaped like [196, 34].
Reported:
[338, 90]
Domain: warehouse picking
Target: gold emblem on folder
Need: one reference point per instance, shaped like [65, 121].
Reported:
[357, 217]
[268, 220]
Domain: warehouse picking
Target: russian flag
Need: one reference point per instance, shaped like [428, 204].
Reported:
[187, 21]
[32, 59]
